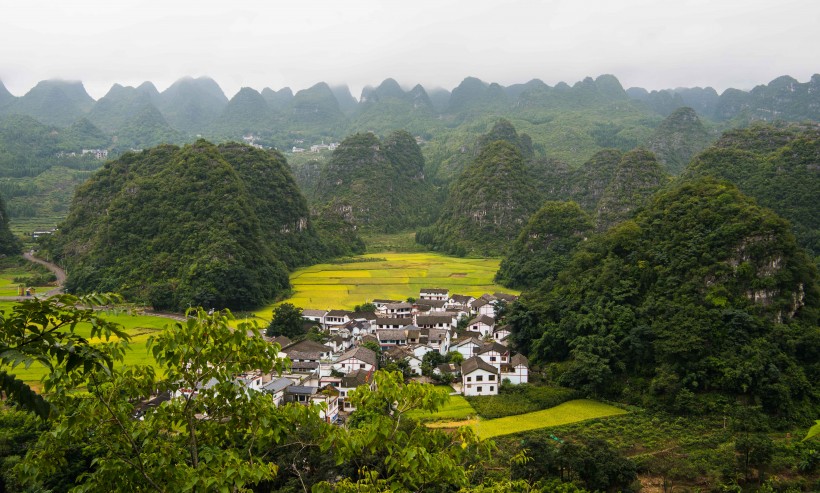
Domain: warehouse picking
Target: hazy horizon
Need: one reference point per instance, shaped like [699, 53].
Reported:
[644, 43]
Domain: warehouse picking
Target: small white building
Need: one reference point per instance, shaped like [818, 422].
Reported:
[517, 371]
[482, 324]
[440, 294]
[398, 310]
[276, 389]
[468, 347]
[479, 377]
[358, 358]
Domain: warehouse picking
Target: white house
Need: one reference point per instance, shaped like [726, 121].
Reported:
[438, 339]
[468, 347]
[358, 358]
[459, 302]
[327, 398]
[495, 354]
[386, 323]
[276, 388]
[479, 377]
[335, 319]
[434, 294]
[501, 333]
[517, 371]
[350, 382]
[438, 321]
[317, 316]
[483, 306]
[390, 338]
[398, 310]
[482, 324]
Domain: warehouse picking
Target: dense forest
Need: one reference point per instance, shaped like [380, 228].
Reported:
[200, 225]
[702, 300]
[40, 130]
[376, 184]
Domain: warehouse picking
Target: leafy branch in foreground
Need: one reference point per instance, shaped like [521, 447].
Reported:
[46, 332]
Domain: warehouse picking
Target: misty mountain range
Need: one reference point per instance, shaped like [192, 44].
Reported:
[199, 106]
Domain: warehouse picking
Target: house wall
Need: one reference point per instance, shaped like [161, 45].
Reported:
[478, 383]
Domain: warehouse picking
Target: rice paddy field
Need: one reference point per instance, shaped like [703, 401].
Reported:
[568, 412]
[456, 409]
[138, 327]
[395, 276]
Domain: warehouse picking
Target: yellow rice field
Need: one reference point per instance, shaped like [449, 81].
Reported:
[398, 276]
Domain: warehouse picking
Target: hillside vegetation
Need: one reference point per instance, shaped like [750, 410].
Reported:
[487, 206]
[703, 300]
[216, 226]
[377, 184]
[779, 165]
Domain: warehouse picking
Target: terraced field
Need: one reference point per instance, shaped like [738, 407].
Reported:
[396, 276]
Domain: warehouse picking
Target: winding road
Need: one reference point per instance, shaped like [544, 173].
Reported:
[58, 272]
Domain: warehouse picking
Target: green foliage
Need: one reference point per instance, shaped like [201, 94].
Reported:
[43, 332]
[813, 431]
[286, 321]
[487, 206]
[703, 294]
[198, 225]
[9, 244]
[776, 166]
[378, 185]
[594, 463]
[637, 176]
[171, 448]
[385, 449]
[545, 245]
[678, 139]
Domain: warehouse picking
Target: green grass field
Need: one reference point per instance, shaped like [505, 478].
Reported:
[138, 327]
[399, 276]
[456, 409]
[568, 412]
[7, 285]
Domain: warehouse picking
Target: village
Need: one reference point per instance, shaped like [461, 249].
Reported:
[325, 373]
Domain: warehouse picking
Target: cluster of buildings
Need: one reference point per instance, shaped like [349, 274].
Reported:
[326, 372]
[100, 154]
[315, 148]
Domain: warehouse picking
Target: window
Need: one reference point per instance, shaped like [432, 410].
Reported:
[492, 377]
[479, 378]
[492, 389]
[492, 358]
[361, 365]
[478, 389]
[469, 379]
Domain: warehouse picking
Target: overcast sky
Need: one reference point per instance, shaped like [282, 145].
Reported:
[654, 44]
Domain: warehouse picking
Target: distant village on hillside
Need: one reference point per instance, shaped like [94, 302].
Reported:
[325, 373]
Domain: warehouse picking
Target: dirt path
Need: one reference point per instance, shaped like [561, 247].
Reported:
[60, 273]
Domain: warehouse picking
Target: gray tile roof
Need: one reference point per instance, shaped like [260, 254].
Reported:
[519, 360]
[356, 378]
[276, 385]
[307, 346]
[475, 363]
[362, 354]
